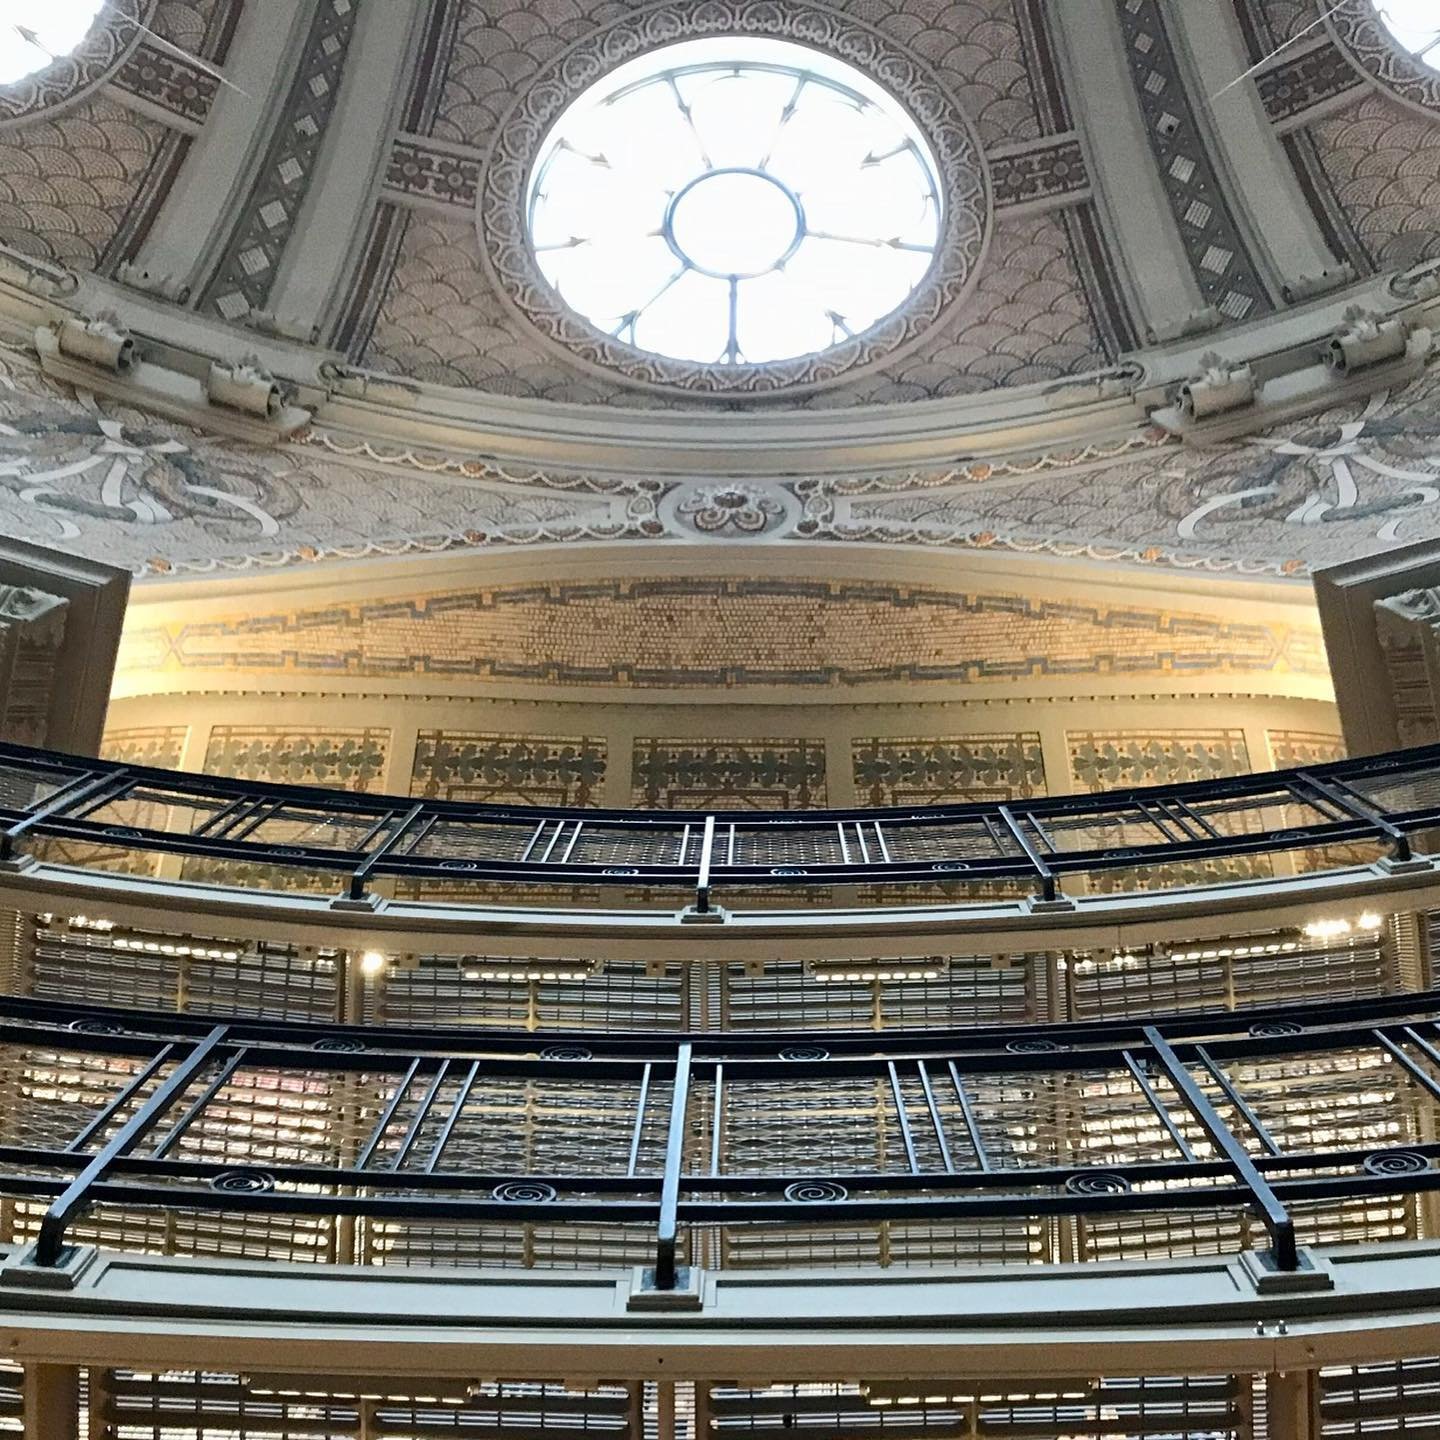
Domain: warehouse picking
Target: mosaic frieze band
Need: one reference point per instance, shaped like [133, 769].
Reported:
[722, 632]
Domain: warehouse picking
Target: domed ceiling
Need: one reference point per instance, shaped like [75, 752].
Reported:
[1128, 196]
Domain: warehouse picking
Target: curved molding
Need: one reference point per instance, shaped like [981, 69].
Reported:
[963, 173]
[1377, 55]
[69, 79]
[998, 927]
[1206, 1315]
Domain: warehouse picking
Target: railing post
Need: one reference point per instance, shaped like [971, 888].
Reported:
[362, 871]
[665, 1275]
[1272, 1212]
[1049, 889]
[702, 879]
[76, 1195]
[1345, 799]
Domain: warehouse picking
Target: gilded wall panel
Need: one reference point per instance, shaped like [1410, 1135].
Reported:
[1116, 760]
[158, 746]
[1290, 749]
[1119, 759]
[678, 774]
[920, 771]
[508, 769]
[340, 759]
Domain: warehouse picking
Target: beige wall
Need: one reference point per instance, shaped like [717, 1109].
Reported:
[645, 678]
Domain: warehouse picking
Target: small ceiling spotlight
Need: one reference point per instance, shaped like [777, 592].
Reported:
[373, 963]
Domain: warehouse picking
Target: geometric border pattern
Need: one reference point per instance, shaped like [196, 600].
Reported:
[247, 271]
[963, 176]
[1225, 272]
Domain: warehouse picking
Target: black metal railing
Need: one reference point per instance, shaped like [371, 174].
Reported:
[1379, 802]
[1257, 1114]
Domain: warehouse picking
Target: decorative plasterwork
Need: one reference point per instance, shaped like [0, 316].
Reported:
[1047, 172]
[952, 138]
[106, 480]
[71, 77]
[1042, 173]
[247, 272]
[1376, 53]
[99, 477]
[184, 89]
[1225, 271]
[1303, 79]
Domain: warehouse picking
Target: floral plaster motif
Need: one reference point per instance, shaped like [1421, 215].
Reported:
[1349, 482]
[108, 481]
[105, 480]
[730, 511]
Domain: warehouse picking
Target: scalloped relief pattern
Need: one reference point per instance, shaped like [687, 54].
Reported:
[1383, 161]
[523, 130]
[74, 75]
[1026, 320]
[975, 47]
[67, 182]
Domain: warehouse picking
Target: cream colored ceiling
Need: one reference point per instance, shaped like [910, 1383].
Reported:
[308, 179]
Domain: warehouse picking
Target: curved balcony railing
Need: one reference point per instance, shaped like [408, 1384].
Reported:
[1267, 1115]
[1381, 802]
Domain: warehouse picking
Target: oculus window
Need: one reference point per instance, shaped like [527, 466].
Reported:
[734, 200]
[1415, 25]
[33, 35]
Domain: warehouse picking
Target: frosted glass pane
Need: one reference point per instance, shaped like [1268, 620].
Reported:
[1415, 24]
[58, 27]
[734, 201]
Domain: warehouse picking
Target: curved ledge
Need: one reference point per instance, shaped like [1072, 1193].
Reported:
[1198, 1316]
[560, 932]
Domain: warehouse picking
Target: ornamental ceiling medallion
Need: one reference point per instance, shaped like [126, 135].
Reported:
[1382, 59]
[69, 78]
[503, 196]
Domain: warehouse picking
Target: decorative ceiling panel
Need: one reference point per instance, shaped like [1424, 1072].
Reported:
[104, 480]
[1383, 162]
[67, 183]
[1026, 320]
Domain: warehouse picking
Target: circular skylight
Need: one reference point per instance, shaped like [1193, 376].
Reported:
[734, 200]
[1415, 24]
[33, 33]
